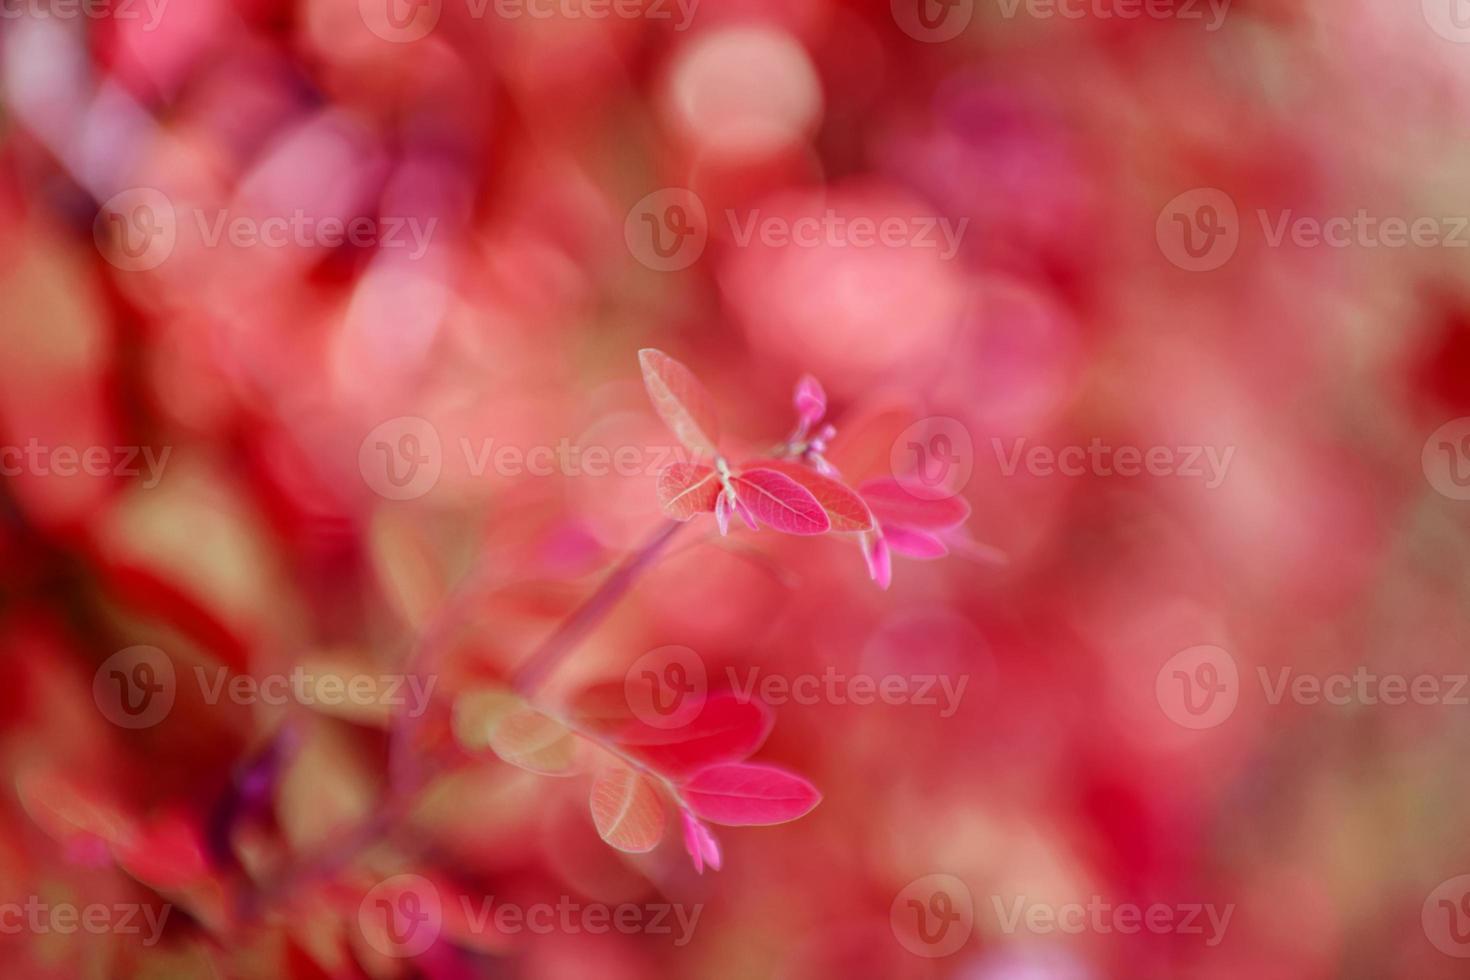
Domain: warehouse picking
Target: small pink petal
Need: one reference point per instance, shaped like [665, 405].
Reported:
[710, 847]
[722, 514]
[880, 563]
[894, 502]
[694, 841]
[810, 400]
[914, 544]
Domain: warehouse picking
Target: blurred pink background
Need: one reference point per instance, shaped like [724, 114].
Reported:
[1180, 288]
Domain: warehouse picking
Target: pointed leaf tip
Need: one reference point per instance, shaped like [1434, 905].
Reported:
[680, 401]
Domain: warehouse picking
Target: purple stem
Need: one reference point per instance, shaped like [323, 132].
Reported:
[540, 664]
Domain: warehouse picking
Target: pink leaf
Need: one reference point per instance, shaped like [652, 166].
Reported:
[726, 729]
[780, 502]
[892, 503]
[742, 794]
[880, 564]
[627, 810]
[810, 400]
[743, 509]
[845, 509]
[700, 843]
[681, 401]
[914, 544]
[687, 489]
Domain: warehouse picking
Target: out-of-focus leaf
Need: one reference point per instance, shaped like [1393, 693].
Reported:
[516, 732]
[681, 401]
[410, 573]
[914, 544]
[687, 489]
[845, 509]
[780, 502]
[627, 810]
[726, 729]
[892, 503]
[745, 794]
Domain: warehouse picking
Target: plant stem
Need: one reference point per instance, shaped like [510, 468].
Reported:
[406, 779]
[564, 639]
